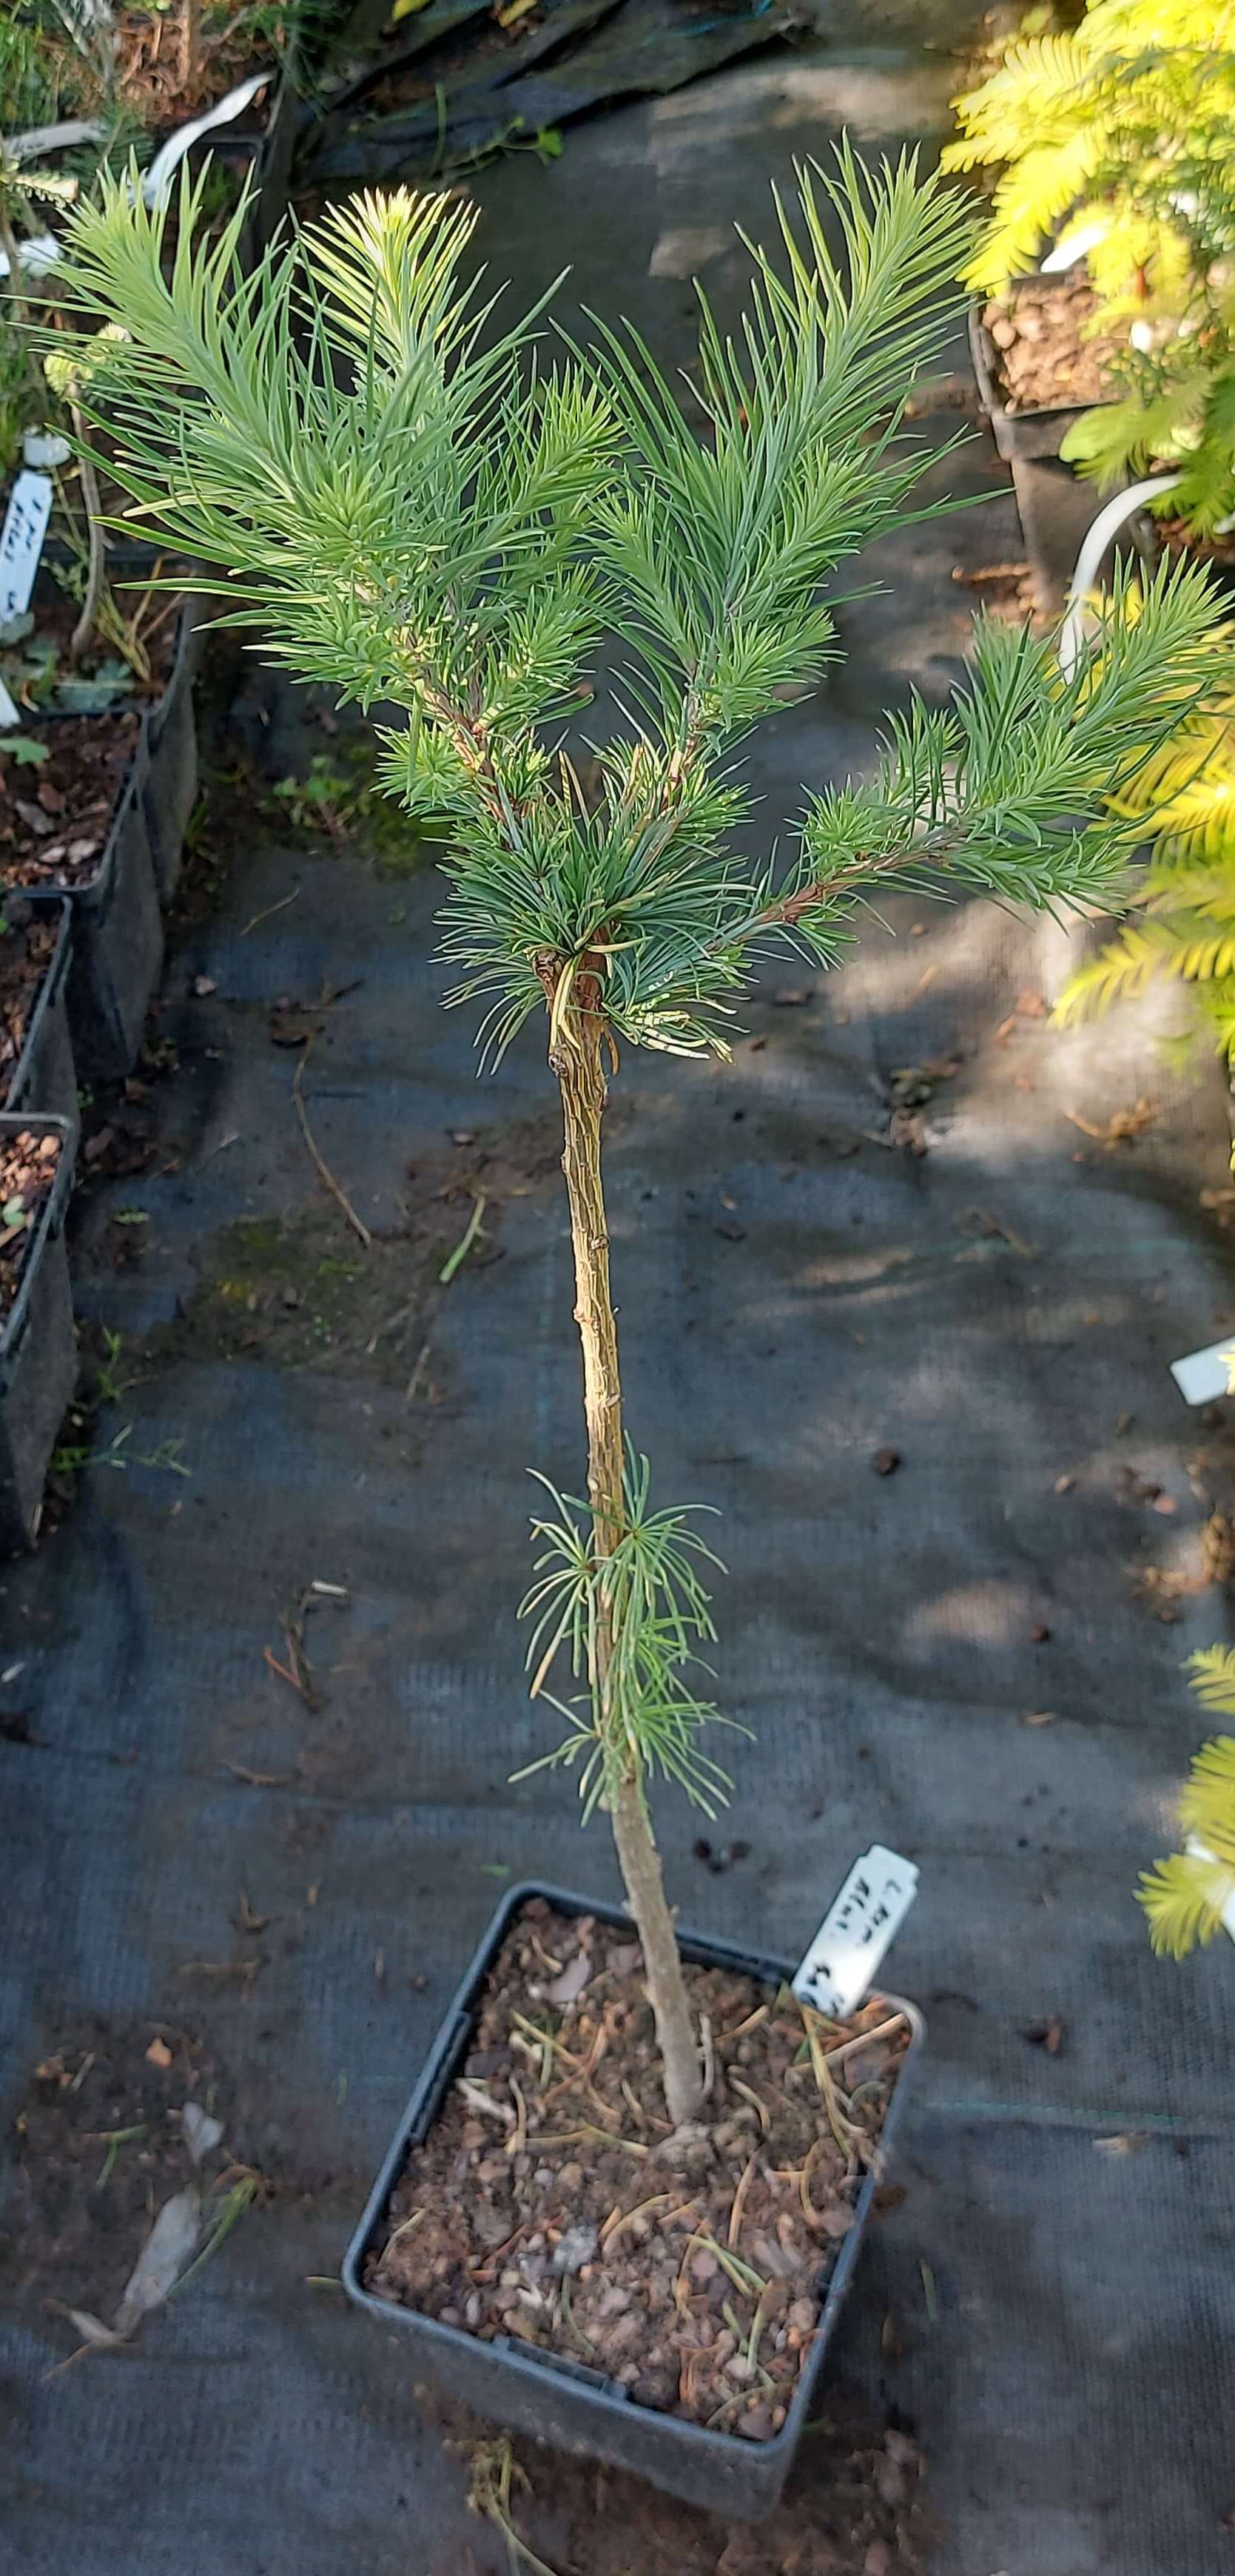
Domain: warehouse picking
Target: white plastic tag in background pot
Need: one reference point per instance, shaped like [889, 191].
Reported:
[1202, 1375]
[156, 186]
[9, 713]
[856, 1931]
[42, 448]
[21, 542]
[35, 255]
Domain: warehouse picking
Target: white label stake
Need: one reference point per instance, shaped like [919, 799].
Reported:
[21, 541]
[856, 1931]
[1205, 1374]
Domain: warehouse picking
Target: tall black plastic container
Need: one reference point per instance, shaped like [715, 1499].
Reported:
[45, 1076]
[38, 1351]
[1054, 505]
[169, 791]
[117, 935]
[562, 2401]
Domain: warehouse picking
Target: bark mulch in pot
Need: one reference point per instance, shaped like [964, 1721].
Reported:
[1046, 362]
[1217, 552]
[55, 811]
[27, 947]
[55, 816]
[28, 1165]
[552, 2201]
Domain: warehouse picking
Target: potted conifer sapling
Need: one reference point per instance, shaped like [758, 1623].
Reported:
[615, 2224]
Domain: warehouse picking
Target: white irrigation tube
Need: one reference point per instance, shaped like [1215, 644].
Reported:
[1097, 538]
[156, 185]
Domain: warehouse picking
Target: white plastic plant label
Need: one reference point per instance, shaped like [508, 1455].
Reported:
[1203, 1375]
[35, 255]
[21, 541]
[10, 714]
[45, 447]
[856, 1931]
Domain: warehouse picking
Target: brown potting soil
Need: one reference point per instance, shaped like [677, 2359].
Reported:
[55, 813]
[55, 817]
[27, 1170]
[172, 63]
[856, 2505]
[552, 2200]
[1217, 552]
[26, 951]
[1044, 358]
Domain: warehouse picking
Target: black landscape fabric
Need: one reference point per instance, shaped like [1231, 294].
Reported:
[896, 1224]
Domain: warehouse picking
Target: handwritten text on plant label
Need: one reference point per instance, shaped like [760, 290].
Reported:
[21, 542]
[856, 1931]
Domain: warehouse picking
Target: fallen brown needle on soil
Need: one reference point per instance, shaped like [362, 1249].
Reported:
[320, 1166]
[495, 2471]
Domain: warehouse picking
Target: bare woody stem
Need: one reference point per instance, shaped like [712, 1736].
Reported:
[96, 565]
[581, 1079]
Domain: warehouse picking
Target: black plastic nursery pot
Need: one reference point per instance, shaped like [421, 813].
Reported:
[44, 1077]
[271, 159]
[169, 790]
[38, 1353]
[117, 952]
[564, 2402]
[1054, 504]
[1027, 437]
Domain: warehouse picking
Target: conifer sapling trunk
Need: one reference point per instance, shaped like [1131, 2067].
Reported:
[578, 1063]
[421, 509]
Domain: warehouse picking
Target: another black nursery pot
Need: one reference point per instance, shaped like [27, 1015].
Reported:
[1056, 507]
[38, 1352]
[44, 1077]
[566, 2403]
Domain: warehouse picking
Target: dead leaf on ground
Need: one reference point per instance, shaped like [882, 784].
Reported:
[984, 1223]
[161, 2260]
[202, 2132]
[1050, 2033]
[1168, 1583]
[1121, 1127]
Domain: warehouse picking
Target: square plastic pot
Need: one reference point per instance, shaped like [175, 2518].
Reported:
[38, 1351]
[45, 1075]
[1054, 505]
[565, 2402]
[117, 952]
[1025, 434]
